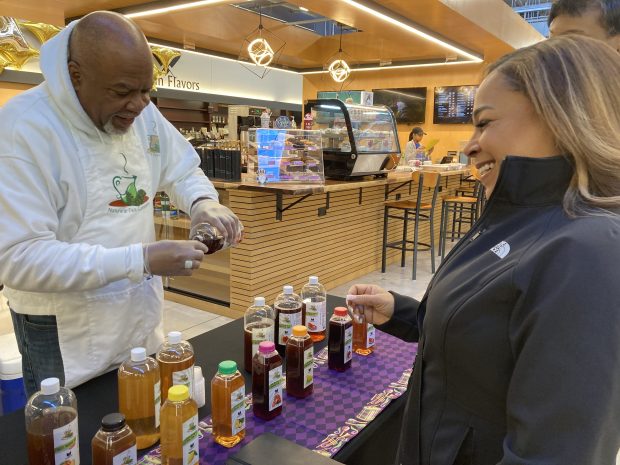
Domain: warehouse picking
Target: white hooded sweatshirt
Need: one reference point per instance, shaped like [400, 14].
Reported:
[76, 208]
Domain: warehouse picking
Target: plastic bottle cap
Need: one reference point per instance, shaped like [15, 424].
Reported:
[138, 354]
[341, 311]
[178, 393]
[313, 280]
[259, 301]
[50, 386]
[227, 367]
[174, 337]
[113, 422]
[288, 289]
[300, 330]
[266, 347]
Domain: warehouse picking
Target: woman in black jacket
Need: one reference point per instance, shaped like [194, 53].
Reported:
[519, 330]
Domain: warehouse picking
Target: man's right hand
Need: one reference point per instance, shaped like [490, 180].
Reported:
[376, 303]
[171, 258]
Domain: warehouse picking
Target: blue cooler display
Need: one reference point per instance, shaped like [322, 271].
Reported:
[11, 382]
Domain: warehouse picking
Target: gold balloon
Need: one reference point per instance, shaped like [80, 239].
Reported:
[164, 58]
[14, 50]
[43, 32]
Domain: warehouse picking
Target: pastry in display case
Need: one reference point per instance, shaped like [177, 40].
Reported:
[358, 140]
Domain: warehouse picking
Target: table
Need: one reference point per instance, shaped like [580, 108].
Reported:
[374, 444]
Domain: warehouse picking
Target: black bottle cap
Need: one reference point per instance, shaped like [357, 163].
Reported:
[113, 422]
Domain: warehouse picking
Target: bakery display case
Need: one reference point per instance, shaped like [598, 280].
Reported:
[358, 140]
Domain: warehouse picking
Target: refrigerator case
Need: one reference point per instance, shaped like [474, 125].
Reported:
[358, 140]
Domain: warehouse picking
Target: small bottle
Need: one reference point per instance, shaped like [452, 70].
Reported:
[299, 363]
[52, 425]
[228, 404]
[176, 363]
[267, 381]
[139, 396]
[288, 308]
[363, 335]
[340, 340]
[115, 442]
[210, 236]
[179, 428]
[199, 394]
[259, 325]
[314, 300]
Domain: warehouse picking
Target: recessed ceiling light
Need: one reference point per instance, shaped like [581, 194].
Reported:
[182, 6]
[303, 8]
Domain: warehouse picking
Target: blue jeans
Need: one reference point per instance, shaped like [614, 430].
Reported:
[37, 340]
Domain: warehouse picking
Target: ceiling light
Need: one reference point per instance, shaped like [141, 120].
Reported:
[303, 8]
[418, 32]
[381, 68]
[260, 48]
[260, 52]
[182, 6]
[338, 67]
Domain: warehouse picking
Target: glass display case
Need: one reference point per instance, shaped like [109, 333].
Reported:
[358, 140]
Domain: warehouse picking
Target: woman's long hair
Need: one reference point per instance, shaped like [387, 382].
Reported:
[573, 83]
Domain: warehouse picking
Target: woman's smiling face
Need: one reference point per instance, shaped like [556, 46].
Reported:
[505, 124]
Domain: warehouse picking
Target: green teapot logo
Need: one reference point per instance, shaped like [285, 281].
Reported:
[125, 186]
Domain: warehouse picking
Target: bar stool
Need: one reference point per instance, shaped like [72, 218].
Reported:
[464, 209]
[415, 211]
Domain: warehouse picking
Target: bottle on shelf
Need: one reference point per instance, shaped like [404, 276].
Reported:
[340, 340]
[288, 307]
[176, 363]
[267, 381]
[228, 404]
[139, 396]
[314, 300]
[363, 335]
[299, 363]
[52, 424]
[115, 442]
[179, 428]
[259, 326]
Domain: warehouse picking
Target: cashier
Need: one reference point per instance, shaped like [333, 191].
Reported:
[83, 154]
[414, 148]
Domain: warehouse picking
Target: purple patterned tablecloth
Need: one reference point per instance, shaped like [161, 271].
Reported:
[341, 405]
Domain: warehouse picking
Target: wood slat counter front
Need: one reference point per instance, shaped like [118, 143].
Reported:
[333, 231]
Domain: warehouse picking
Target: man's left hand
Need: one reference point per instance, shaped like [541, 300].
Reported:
[218, 216]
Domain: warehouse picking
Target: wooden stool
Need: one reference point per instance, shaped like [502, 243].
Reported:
[417, 212]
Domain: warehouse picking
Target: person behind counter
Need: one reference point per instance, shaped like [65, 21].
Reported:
[83, 155]
[414, 148]
[519, 330]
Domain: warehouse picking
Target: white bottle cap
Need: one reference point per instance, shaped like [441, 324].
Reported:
[288, 289]
[50, 386]
[259, 301]
[313, 280]
[138, 354]
[174, 337]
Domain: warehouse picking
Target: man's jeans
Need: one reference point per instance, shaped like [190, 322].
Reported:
[37, 340]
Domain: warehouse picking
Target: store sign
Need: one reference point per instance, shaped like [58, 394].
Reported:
[171, 81]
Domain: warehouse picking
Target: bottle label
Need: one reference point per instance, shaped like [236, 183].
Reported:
[348, 344]
[259, 335]
[127, 457]
[237, 410]
[275, 388]
[157, 402]
[184, 378]
[370, 335]
[66, 444]
[190, 441]
[315, 316]
[308, 367]
[287, 321]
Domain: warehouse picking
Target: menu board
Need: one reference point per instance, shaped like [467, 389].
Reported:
[454, 104]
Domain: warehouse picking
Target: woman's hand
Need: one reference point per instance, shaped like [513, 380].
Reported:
[374, 302]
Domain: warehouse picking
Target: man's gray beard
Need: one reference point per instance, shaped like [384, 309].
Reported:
[112, 130]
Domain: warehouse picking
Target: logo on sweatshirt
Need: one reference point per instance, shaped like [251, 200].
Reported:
[501, 250]
[128, 195]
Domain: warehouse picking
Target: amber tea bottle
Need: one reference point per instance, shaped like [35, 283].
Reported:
[259, 326]
[176, 364]
[115, 442]
[340, 340]
[288, 308]
[299, 363]
[179, 428]
[52, 425]
[363, 335]
[267, 382]
[314, 300]
[228, 404]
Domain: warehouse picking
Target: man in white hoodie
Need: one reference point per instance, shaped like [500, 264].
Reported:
[82, 156]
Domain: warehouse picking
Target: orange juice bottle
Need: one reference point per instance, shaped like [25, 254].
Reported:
[363, 335]
[228, 404]
[179, 428]
[299, 363]
[176, 364]
[114, 443]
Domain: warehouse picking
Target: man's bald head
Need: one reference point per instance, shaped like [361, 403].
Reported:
[111, 69]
